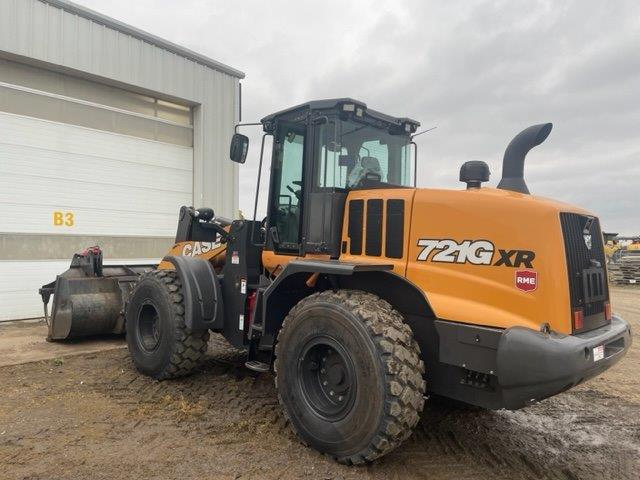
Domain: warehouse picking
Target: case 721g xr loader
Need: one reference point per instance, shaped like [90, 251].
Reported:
[363, 292]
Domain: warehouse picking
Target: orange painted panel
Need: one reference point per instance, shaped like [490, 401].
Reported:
[453, 243]
[467, 281]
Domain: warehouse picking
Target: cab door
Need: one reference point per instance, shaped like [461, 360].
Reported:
[287, 190]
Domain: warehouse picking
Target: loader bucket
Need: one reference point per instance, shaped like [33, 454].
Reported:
[89, 298]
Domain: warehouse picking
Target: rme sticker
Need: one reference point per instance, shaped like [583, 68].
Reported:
[526, 280]
[198, 248]
[475, 252]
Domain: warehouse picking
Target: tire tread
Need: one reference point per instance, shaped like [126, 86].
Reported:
[189, 348]
[404, 370]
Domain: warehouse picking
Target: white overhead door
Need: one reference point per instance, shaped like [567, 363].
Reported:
[60, 178]
[80, 163]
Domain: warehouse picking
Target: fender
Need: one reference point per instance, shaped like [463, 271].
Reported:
[290, 286]
[203, 303]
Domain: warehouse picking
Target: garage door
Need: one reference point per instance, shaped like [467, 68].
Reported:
[65, 184]
[57, 178]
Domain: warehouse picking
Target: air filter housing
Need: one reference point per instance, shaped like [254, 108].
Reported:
[474, 172]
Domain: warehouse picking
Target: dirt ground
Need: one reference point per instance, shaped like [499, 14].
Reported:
[93, 416]
[22, 342]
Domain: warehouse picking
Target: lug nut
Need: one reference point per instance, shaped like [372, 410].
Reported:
[324, 383]
[331, 393]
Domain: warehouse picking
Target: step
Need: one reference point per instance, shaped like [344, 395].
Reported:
[257, 366]
[257, 327]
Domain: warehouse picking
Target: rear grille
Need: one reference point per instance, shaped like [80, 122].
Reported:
[588, 288]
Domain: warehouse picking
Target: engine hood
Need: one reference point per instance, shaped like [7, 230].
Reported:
[491, 257]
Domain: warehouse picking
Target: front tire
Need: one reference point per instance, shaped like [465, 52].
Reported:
[349, 375]
[159, 341]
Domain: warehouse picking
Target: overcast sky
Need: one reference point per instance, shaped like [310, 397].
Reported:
[479, 71]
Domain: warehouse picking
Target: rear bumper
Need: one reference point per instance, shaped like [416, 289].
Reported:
[533, 365]
[516, 367]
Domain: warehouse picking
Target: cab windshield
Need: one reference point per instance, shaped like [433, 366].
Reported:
[355, 155]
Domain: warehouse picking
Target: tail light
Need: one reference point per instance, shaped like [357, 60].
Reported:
[607, 311]
[578, 319]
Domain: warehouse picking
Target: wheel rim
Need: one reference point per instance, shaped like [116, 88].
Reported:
[327, 378]
[149, 328]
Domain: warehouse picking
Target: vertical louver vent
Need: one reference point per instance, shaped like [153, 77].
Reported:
[373, 245]
[394, 231]
[356, 211]
[382, 224]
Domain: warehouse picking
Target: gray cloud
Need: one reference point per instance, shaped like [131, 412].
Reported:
[481, 71]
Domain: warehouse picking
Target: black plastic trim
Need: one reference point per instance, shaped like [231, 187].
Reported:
[536, 365]
[202, 293]
[495, 368]
[291, 283]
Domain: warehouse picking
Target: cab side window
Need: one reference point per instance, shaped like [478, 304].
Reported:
[333, 169]
[287, 202]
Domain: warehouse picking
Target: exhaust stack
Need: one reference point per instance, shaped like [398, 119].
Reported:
[514, 155]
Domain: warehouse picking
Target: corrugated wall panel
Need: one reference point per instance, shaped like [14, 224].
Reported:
[31, 28]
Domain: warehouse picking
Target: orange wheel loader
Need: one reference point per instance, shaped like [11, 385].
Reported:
[363, 293]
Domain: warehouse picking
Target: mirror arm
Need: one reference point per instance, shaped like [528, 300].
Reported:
[245, 125]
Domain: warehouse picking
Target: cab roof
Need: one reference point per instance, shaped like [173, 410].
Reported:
[337, 105]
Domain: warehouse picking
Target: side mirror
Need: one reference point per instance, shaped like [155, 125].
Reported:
[239, 148]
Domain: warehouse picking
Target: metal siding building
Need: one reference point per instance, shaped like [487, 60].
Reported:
[105, 131]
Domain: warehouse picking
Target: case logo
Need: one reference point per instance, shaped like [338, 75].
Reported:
[194, 249]
[587, 240]
[526, 280]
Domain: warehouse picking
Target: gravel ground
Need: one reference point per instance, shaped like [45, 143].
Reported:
[94, 416]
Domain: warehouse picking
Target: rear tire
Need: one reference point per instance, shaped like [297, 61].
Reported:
[159, 341]
[349, 375]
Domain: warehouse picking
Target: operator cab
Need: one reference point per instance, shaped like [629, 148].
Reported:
[321, 151]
